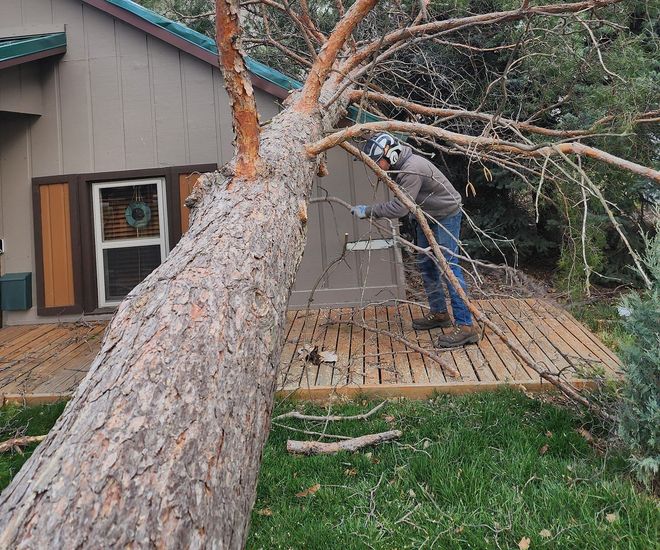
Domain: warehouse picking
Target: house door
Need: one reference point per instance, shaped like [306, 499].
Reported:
[130, 233]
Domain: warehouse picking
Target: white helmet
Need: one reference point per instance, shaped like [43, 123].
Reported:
[374, 148]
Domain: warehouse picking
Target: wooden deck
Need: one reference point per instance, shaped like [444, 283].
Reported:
[41, 363]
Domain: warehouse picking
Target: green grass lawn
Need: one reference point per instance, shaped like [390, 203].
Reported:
[18, 421]
[469, 472]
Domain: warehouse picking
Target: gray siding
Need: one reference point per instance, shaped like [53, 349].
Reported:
[120, 99]
[20, 89]
[15, 194]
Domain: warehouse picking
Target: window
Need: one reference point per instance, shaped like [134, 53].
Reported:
[130, 234]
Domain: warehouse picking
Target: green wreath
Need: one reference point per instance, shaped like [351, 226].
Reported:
[138, 215]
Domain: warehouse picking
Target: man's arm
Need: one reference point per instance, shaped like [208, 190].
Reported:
[410, 184]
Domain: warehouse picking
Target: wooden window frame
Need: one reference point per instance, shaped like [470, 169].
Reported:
[85, 284]
[162, 240]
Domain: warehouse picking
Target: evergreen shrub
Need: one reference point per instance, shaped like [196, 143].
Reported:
[640, 409]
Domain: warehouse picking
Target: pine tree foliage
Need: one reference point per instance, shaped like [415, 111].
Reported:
[640, 411]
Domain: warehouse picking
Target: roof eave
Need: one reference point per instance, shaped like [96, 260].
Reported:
[31, 48]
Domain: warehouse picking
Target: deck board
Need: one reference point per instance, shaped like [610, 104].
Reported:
[45, 362]
[581, 332]
[416, 359]
[533, 339]
[356, 361]
[341, 373]
[400, 358]
[371, 361]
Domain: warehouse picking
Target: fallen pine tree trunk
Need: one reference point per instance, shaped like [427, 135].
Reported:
[350, 445]
[161, 444]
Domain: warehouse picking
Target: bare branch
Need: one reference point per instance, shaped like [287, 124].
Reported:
[245, 119]
[18, 442]
[307, 20]
[329, 418]
[305, 32]
[355, 95]
[328, 54]
[435, 27]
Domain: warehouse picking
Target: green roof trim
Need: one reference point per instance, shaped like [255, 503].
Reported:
[201, 40]
[15, 48]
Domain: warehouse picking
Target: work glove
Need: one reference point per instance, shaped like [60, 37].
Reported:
[359, 211]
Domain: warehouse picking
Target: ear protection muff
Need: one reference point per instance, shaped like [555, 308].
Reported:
[393, 153]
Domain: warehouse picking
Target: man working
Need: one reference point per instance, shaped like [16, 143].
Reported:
[430, 189]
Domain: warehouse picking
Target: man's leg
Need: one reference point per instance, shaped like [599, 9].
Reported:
[438, 316]
[466, 332]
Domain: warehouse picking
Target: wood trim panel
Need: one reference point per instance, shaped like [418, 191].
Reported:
[186, 184]
[57, 246]
[177, 195]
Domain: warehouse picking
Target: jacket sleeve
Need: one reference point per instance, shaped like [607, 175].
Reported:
[410, 184]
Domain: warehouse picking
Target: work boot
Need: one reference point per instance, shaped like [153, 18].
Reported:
[432, 320]
[461, 335]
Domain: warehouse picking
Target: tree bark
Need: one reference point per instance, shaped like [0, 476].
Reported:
[161, 444]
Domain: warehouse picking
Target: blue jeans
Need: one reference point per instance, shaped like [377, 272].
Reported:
[431, 276]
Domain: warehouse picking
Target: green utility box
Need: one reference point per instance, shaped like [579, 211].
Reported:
[16, 291]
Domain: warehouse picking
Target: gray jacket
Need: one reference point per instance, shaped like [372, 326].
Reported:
[422, 182]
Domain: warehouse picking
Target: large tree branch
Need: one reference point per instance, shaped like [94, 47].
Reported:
[245, 119]
[479, 142]
[416, 108]
[328, 54]
[435, 27]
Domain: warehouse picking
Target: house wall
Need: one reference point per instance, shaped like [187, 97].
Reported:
[120, 99]
[20, 89]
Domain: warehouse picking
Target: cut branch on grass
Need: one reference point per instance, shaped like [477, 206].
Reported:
[350, 445]
[18, 442]
[300, 416]
[308, 432]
